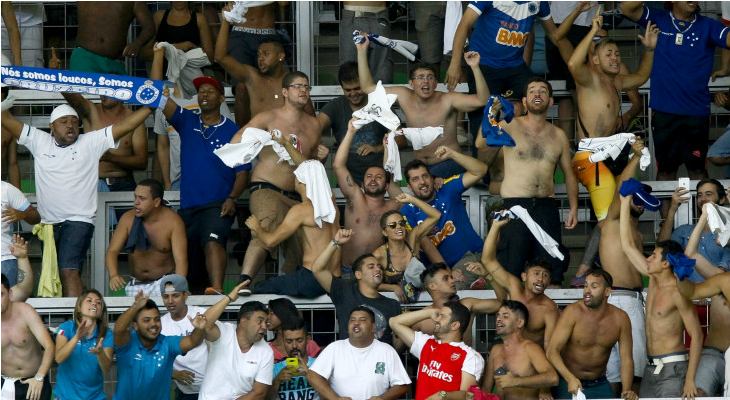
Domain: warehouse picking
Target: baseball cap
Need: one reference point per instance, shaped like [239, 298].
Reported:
[62, 111]
[179, 283]
[207, 79]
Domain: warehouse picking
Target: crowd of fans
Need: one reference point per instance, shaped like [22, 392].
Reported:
[611, 343]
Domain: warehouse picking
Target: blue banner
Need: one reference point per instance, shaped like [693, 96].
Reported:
[129, 89]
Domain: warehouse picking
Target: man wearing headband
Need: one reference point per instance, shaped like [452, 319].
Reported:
[66, 170]
[670, 371]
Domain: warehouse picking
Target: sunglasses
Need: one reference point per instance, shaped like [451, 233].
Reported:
[392, 225]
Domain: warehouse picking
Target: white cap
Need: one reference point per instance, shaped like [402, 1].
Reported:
[62, 111]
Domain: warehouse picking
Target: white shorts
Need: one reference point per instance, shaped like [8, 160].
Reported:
[633, 304]
[31, 45]
[148, 288]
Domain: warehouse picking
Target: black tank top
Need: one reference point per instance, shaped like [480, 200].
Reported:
[177, 34]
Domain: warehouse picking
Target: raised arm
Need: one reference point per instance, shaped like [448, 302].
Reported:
[130, 123]
[579, 69]
[490, 264]
[432, 217]
[366, 78]
[470, 102]
[170, 106]
[614, 210]
[121, 331]
[81, 105]
[339, 164]
[678, 198]
[24, 287]
[320, 264]
[212, 332]
[703, 266]
[402, 325]
[475, 169]
[632, 9]
[453, 74]
[718, 284]
[635, 256]
[195, 338]
[239, 71]
[639, 78]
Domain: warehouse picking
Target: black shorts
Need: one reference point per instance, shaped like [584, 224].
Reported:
[557, 67]
[680, 139]
[205, 224]
[21, 389]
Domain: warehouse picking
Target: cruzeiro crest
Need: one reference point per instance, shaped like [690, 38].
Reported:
[146, 94]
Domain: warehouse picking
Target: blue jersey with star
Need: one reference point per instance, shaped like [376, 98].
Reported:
[204, 178]
[683, 64]
[502, 28]
[453, 234]
[143, 373]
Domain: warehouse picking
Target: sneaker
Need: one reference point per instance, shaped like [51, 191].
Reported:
[578, 281]
[211, 290]
[397, 12]
[412, 292]
[244, 291]
[479, 284]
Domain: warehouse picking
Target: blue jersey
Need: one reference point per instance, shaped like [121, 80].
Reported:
[297, 388]
[453, 234]
[80, 376]
[146, 373]
[501, 30]
[683, 61]
[204, 177]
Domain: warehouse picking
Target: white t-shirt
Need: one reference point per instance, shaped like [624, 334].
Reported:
[360, 373]
[230, 373]
[473, 364]
[561, 9]
[162, 127]
[196, 359]
[14, 198]
[67, 177]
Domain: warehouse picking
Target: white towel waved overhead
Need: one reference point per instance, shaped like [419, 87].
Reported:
[547, 242]
[378, 109]
[422, 137]
[718, 219]
[392, 160]
[240, 8]
[407, 49]
[611, 146]
[253, 141]
[312, 174]
[184, 66]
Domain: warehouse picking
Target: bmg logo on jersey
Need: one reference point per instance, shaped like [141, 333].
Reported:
[511, 38]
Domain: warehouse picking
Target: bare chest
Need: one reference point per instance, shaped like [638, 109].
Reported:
[265, 95]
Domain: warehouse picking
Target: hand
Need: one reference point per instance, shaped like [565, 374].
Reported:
[11, 215]
[690, 390]
[472, 58]
[477, 268]
[322, 152]
[437, 183]
[19, 248]
[140, 300]
[97, 350]
[496, 106]
[34, 388]
[234, 293]
[199, 321]
[678, 197]
[107, 156]
[625, 199]
[458, 275]
[638, 146]
[229, 6]
[453, 75]
[650, 37]
[366, 149]
[351, 126]
[629, 395]
[401, 295]
[507, 380]
[183, 376]
[166, 91]
[597, 21]
[404, 198]
[545, 394]
[343, 235]
[572, 221]
[574, 385]
[303, 369]
[620, 123]
[364, 45]
[54, 62]
[158, 50]
[720, 99]
[86, 328]
[586, 5]
[131, 50]
[116, 282]
[253, 224]
[443, 152]
[185, 46]
[228, 208]
[435, 396]
[720, 73]
[279, 138]
[285, 375]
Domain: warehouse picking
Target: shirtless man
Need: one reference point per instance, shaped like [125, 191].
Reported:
[9, 157]
[424, 107]
[300, 217]
[517, 366]
[668, 314]
[536, 276]
[582, 341]
[102, 35]
[528, 181]
[363, 205]
[116, 166]
[27, 350]
[272, 188]
[163, 253]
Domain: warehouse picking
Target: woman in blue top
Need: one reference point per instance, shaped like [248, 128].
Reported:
[84, 350]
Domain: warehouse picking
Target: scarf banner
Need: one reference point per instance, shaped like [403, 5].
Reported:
[129, 89]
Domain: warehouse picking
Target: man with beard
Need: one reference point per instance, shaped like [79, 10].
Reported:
[272, 189]
[366, 148]
[154, 238]
[454, 236]
[364, 205]
[208, 213]
[536, 276]
[583, 339]
[517, 367]
[67, 174]
[529, 180]
[239, 362]
[116, 166]
[424, 107]
[27, 350]
[263, 84]
[359, 367]
[144, 356]
[347, 294]
[289, 382]
[447, 367]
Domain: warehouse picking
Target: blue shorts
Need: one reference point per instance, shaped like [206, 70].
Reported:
[593, 389]
[204, 224]
[73, 239]
[300, 283]
[10, 270]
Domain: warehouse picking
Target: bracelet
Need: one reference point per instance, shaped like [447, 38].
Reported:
[163, 101]
[336, 244]
[233, 198]
[229, 298]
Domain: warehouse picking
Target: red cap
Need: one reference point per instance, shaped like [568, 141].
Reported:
[206, 79]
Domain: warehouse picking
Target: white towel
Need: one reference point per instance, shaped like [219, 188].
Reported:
[7, 103]
[253, 141]
[451, 22]
[378, 109]
[392, 162]
[312, 174]
[8, 390]
[422, 137]
[727, 373]
[407, 49]
[240, 8]
[183, 67]
[611, 146]
[547, 242]
[718, 219]
[579, 396]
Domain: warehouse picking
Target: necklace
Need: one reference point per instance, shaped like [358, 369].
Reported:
[681, 32]
[204, 129]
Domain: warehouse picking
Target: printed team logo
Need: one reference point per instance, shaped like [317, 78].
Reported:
[455, 356]
[146, 94]
[295, 141]
[532, 7]
[380, 368]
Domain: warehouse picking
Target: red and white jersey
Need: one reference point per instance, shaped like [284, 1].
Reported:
[441, 364]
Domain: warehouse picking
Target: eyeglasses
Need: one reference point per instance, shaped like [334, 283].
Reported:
[299, 86]
[425, 78]
[401, 223]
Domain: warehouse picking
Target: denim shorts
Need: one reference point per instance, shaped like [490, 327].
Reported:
[10, 270]
[73, 239]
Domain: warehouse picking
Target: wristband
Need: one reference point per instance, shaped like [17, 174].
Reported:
[229, 298]
[232, 198]
[336, 244]
[163, 101]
